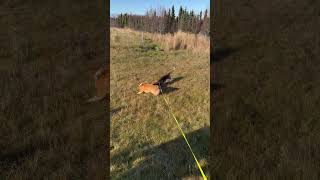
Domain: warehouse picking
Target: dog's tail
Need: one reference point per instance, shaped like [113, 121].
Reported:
[95, 98]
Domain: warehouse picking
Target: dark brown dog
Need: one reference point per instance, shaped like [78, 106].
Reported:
[164, 79]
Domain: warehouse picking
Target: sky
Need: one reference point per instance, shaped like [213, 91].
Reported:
[141, 6]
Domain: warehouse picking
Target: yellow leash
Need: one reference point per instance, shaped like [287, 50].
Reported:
[184, 136]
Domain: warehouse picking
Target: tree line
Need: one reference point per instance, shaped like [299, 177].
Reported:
[165, 21]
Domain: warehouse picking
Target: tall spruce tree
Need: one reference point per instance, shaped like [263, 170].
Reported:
[185, 20]
[172, 20]
[180, 18]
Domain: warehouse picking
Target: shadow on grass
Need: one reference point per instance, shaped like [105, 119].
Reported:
[167, 90]
[175, 80]
[218, 53]
[170, 160]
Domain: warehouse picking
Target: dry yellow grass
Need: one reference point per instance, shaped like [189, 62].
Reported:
[178, 41]
[182, 40]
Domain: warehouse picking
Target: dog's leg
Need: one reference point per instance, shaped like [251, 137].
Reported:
[139, 92]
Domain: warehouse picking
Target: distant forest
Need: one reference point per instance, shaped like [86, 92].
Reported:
[165, 21]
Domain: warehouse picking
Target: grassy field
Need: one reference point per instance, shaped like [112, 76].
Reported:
[145, 142]
[266, 70]
[49, 52]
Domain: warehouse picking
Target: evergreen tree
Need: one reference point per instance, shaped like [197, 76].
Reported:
[185, 20]
[180, 18]
[205, 14]
[168, 22]
[191, 21]
[172, 20]
[165, 21]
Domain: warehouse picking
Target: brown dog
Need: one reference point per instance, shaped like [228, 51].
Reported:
[149, 88]
[100, 84]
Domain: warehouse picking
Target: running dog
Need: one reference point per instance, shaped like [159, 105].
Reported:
[156, 86]
[149, 88]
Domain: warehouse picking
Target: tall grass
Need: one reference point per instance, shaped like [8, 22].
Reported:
[182, 40]
[196, 43]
